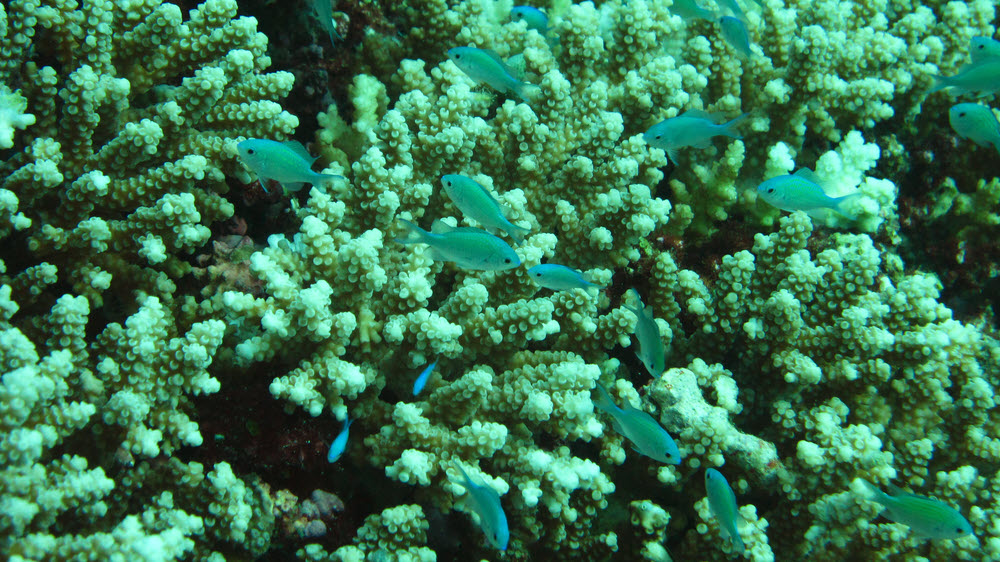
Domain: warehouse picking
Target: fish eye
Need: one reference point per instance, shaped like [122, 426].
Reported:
[249, 151]
[506, 260]
[458, 56]
[959, 530]
[659, 137]
[962, 114]
[770, 190]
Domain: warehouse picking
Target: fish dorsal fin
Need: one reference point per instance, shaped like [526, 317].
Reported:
[894, 490]
[493, 55]
[700, 114]
[297, 148]
[807, 174]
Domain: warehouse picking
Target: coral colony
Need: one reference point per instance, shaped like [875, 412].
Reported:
[604, 280]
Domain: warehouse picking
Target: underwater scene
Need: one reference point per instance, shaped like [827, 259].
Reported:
[464, 280]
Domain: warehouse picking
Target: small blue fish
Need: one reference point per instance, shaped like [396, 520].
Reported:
[485, 502]
[692, 128]
[559, 277]
[976, 123]
[340, 443]
[926, 516]
[722, 502]
[982, 48]
[801, 191]
[287, 163]
[647, 436]
[324, 13]
[469, 248]
[472, 199]
[651, 351]
[689, 10]
[421, 381]
[483, 65]
[535, 18]
[734, 31]
[982, 78]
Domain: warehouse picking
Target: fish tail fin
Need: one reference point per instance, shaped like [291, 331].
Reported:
[940, 83]
[329, 177]
[728, 128]
[872, 492]
[738, 542]
[413, 235]
[527, 92]
[843, 205]
[517, 233]
[604, 401]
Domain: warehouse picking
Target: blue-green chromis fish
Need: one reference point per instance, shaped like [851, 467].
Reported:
[324, 13]
[982, 48]
[287, 163]
[722, 502]
[926, 516]
[483, 65]
[340, 443]
[689, 10]
[801, 191]
[478, 204]
[734, 31]
[982, 78]
[559, 277]
[535, 18]
[421, 381]
[692, 128]
[647, 436]
[977, 123]
[651, 351]
[469, 248]
[485, 502]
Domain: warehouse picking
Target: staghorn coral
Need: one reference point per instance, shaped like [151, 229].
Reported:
[798, 361]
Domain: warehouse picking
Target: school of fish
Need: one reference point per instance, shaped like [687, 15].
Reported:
[289, 164]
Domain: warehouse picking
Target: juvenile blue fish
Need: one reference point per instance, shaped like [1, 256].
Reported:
[469, 248]
[722, 502]
[982, 78]
[651, 351]
[421, 381]
[324, 13]
[689, 10]
[340, 443]
[559, 277]
[472, 199]
[647, 436]
[926, 516]
[734, 31]
[982, 48]
[485, 502]
[976, 123]
[484, 65]
[535, 18]
[801, 191]
[692, 128]
[287, 163]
